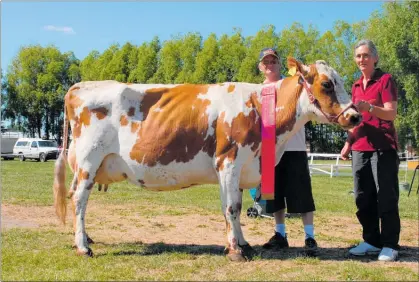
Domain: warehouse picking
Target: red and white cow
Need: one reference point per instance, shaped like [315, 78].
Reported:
[167, 137]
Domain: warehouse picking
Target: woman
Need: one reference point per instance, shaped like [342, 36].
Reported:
[375, 162]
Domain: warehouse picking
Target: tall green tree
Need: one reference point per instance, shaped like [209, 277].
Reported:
[35, 83]
[189, 49]
[231, 53]
[118, 67]
[298, 43]
[205, 65]
[146, 64]
[104, 60]
[169, 62]
[89, 69]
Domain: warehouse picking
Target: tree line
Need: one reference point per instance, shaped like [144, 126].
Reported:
[34, 84]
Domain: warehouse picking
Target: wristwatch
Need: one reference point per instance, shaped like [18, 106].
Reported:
[371, 108]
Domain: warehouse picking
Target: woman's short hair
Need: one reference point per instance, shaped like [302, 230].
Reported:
[370, 45]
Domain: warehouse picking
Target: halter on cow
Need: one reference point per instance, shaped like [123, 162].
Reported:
[166, 137]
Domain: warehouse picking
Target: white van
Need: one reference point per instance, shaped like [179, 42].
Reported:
[35, 148]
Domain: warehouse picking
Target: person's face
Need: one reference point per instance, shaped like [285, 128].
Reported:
[270, 65]
[364, 59]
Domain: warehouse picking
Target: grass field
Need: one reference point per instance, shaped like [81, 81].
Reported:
[179, 235]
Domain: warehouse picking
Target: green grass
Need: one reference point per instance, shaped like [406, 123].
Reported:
[46, 254]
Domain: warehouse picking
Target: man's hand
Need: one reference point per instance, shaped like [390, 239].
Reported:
[344, 153]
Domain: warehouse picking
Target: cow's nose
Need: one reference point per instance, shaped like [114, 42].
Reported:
[355, 119]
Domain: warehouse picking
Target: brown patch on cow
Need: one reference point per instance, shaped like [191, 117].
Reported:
[151, 97]
[131, 112]
[83, 119]
[134, 126]
[83, 175]
[128, 83]
[72, 102]
[253, 101]
[244, 130]
[287, 100]
[231, 88]
[328, 100]
[123, 120]
[179, 131]
[100, 112]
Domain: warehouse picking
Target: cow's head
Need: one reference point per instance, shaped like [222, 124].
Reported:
[329, 102]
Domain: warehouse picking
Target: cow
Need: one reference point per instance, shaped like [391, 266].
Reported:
[168, 137]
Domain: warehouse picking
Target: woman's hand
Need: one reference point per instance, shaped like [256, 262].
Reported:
[344, 153]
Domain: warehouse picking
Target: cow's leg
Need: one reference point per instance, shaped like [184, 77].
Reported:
[237, 247]
[71, 191]
[86, 174]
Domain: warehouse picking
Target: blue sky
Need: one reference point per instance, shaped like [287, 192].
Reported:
[82, 27]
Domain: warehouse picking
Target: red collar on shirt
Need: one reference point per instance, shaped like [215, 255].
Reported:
[378, 73]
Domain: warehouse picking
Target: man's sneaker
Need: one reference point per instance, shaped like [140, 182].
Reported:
[364, 249]
[388, 254]
[277, 242]
[310, 246]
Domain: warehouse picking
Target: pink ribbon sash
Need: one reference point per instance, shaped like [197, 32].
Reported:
[268, 142]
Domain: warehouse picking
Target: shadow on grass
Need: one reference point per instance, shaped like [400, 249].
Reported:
[406, 254]
[141, 249]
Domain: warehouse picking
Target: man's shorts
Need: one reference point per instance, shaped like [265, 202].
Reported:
[292, 185]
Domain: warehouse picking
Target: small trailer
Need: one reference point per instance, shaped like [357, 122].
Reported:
[8, 141]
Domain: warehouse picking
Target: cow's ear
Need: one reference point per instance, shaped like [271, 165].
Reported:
[295, 66]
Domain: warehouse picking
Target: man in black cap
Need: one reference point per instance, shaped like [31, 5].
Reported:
[292, 175]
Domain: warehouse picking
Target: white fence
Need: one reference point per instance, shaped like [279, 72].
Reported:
[334, 166]
[332, 169]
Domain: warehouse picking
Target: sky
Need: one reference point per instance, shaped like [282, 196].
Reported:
[82, 27]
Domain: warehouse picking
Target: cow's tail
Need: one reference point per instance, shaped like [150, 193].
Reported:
[60, 203]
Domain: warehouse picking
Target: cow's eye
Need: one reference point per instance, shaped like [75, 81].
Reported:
[327, 85]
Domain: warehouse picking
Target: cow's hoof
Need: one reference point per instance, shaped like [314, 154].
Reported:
[233, 256]
[88, 253]
[245, 253]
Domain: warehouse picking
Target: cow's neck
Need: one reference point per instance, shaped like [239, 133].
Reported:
[292, 112]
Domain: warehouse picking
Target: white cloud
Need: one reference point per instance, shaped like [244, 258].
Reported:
[64, 29]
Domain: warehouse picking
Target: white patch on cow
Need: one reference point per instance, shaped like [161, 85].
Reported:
[158, 110]
[231, 104]
[175, 175]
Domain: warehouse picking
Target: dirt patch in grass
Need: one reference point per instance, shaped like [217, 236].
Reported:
[200, 231]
